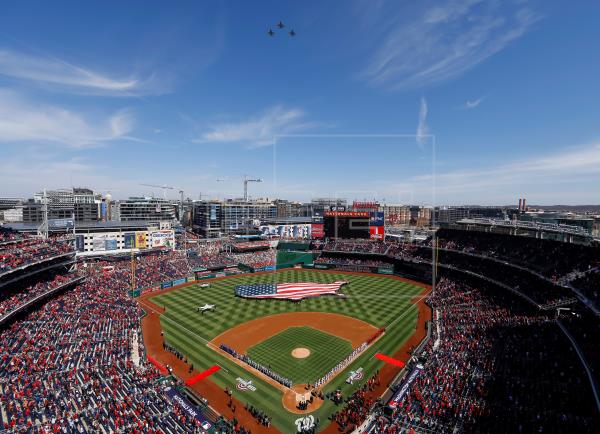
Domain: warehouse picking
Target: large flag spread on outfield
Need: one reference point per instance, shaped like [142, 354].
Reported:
[288, 291]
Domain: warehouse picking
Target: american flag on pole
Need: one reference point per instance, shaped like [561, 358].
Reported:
[288, 291]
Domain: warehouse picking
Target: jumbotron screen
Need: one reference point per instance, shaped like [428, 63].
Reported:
[346, 224]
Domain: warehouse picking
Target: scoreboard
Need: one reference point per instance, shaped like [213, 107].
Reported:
[354, 224]
[346, 224]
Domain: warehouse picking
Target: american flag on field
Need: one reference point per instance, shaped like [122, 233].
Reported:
[288, 291]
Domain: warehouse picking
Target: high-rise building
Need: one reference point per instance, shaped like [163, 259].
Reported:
[239, 214]
[85, 195]
[450, 214]
[396, 215]
[424, 215]
[288, 209]
[63, 204]
[147, 208]
[207, 218]
[212, 218]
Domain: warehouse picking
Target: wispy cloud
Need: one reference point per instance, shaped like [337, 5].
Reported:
[22, 120]
[471, 104]
[261, 130]
[441, 40]
[422, 127]
[54, 72]
[533, 176]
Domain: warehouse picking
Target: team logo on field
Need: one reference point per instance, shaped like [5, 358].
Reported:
[245, 385]
[355, 376]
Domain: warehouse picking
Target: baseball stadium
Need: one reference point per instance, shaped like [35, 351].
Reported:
[299, 217]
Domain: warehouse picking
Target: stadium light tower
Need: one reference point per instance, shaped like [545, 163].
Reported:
[246, 181]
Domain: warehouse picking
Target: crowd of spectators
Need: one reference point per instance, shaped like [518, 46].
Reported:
[589, 284]
[71, 366]
[542, 292]
[219, 254]
[7, 236]
[249, 246]
[357, 407]
[493, 361]
[552, 259]
[356, 246]
[12, 299]
[338, 260]
[256, 259]
[29, 250]
[402, 250]
[160, 267]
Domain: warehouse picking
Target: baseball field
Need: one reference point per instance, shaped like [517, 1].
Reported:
[298, 340]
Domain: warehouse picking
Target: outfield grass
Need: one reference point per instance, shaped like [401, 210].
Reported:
[380, 301]
[326, 351]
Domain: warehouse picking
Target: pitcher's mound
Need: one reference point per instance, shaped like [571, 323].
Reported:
[300, 353]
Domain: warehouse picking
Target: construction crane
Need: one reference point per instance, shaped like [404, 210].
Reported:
[164, 188]
[246, 181]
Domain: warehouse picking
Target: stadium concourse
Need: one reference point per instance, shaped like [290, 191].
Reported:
[512, 347]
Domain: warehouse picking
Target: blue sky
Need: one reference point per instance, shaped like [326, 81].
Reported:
[446, 102]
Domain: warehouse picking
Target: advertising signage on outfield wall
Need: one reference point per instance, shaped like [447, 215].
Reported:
[322, 266]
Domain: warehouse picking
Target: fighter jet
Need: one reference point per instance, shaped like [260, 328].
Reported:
[271, 33]
[280, 25]
[206, 308]
[292, 33]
